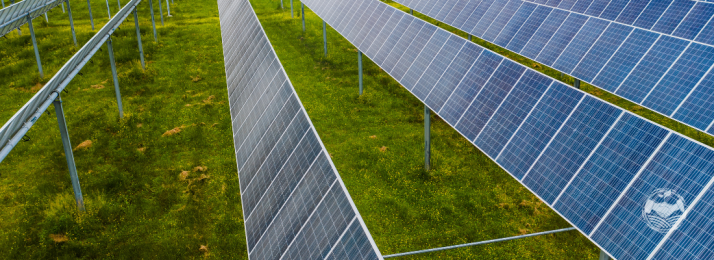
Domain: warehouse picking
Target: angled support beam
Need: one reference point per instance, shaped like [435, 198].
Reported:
[161, 13]
[359, 60]
[479, 243]
[138, 38]
[302, 7]
[34, 44]
[324, 36]
[108, 11]
[71, 22]
[114, 76]
[427, 138]
[153, 22]
[68, 153]
[91, 20]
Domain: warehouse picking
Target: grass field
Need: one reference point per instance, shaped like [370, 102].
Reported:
[140, 206]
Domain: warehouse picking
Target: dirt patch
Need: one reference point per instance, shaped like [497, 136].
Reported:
[209, 100]
[37, 87]
[59, 238]
[383, 149]
[183, 175]
[373, 137]
[200, 169]
[83, 145]
[171, 132]
[142, 149]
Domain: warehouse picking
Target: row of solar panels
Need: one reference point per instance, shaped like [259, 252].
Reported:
[610, 173]
[294, 204]
[14, 16]
[640, 50]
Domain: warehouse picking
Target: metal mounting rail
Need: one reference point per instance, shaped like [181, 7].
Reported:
[15, 15]
[479, 243]
[15, 128]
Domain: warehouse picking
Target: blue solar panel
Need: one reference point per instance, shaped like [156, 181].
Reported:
[608, 171]
[433, 73]
[625, 59]
[544, 33]
[580, 45]
[392, 39]
[424, 59]
[521, 38]
[533, 135]
[289, 187]
[512, 112]
[570, 147]
[489, 98]
[415, 47]
[400, 48]
[651, 68]
[698, 109]
[681, 79]
[694, 238]
[452, 76]
[470, 86]
[384, 34]
[682, 168]
[582, 37]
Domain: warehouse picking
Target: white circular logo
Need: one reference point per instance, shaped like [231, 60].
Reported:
[662, 209]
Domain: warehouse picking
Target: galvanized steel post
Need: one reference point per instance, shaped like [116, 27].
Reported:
[281, 5]
[18, 29]
[71, 22]
[302, 7]
[119, 4]
[359, 60]
[168, 8]
[427, 138]
[114, 76]
[68, 153]
[324, 36]
[469, 37]
[411, 11]
[576, 84]
[91, 20]
[161, 13]
[603, 255]
[34, 44]
[46, 19]
[108, 12]
[3, 4]
[291, 9]
[153, 22]
[62, 6]
[138, 38]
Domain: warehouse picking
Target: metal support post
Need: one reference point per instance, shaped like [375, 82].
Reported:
[62, 7]
[153, 22]
[91, 20]
[576, 84]
[71, 22]
[427, 138]
[359, 60]
[108, 12]
[161, 13]
[18, 29]
[114, 76]
[324, 36]
[281, 5]
[119, 4]
[411, 11]
[168, 8]
[34, 44]
[68, 153]
[302, 7]
[3, 4]
[603, 256]
[291, 9]
[46, 19]
[138, 38]
[469, 37]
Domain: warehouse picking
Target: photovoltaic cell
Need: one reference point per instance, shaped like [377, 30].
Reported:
[433, 73]
[570, 148]
[582, 37]
[694, 238]
[608, 171]
[699, 107]
[681, 166]
[294, 204]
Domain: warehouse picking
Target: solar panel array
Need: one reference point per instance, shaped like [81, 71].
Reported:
[610, 173]
[658, 54]
[295, 205]
[14, 16]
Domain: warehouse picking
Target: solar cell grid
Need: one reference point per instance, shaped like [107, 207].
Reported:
[289, 187]
[513, 25]
[508, 12]
[453, 75]
[425, 57]
[524, 34]
[433, 73]
[577, 48]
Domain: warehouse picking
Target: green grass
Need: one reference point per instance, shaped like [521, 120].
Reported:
[139, 207]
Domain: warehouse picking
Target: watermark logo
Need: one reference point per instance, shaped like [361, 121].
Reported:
[662, 209]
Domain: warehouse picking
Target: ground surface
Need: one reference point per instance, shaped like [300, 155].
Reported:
[140, 202]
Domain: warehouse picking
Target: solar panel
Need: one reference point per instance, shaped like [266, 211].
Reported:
[654, 53]
[623, 181]
[295, 206]
[14, 16]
